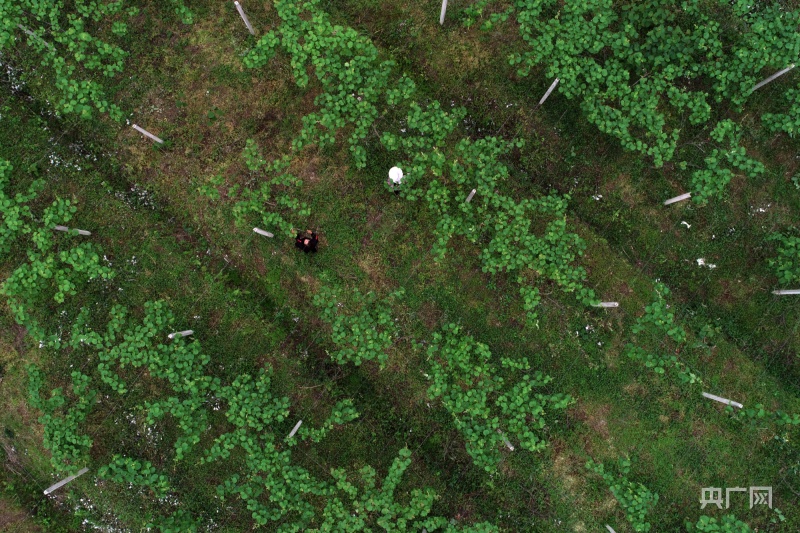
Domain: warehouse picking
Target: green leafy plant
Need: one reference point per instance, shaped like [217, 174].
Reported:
[641, 70]
[14, 209]
[68, 447]
[364, 329]
[345, 64]
[272, 198]
[787, 263]
[788, 122]
[135, 472]
[651, 329]
[634, 498]
[355, 508]
[53, 271]
[186, 15]
[468, 386]
[727, 524]
[711, 181]
[178, 522]
[64, 45]
[502, 225]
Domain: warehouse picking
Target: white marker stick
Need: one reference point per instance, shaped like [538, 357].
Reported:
[791, 291]
[505, 440]
[722, 400]
[29, 32]
[552, 87]
[64, 228]
[444, 8]
[185, 333]
[262, 232]
[244, 18]
[777, 74]
[609, 528]
[147, 133]
[296, 427]
[64, 481]
[608, 304]
[469, 198]
[678, 198]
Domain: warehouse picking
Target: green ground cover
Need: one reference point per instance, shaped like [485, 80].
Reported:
[175, 209]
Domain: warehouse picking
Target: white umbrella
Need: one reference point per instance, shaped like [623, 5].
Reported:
[396, 175]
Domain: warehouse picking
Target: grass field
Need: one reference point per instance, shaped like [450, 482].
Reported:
[249, 299]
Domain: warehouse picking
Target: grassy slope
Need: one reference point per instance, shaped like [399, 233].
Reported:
[373, 241]
[339, 202]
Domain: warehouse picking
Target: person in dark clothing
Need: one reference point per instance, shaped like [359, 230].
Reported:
[306, 241]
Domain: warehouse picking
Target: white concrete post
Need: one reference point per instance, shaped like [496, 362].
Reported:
[296, 427]
[608, 304]
[722, 400]
[80, 231]
[147, 133]
[552, 86]
[777, 74]
[64, 481]
[185, 333]
[784, 292]
[678, 198]
[244, 18]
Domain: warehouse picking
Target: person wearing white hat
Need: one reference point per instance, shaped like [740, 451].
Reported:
[395, 178]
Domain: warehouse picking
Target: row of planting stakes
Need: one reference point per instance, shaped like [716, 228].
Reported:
[607, 304]
[262, 232]
[469, 198]
[785, 292]
[722, 400]
[678, 198]
[444, 8]
[296, 427]
[64, 228]
[777, 74]
[64, 481]
[185, 333]
[244, 18]
[147, 134]
[552, 87]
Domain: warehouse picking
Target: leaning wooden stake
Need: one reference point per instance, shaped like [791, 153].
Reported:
[147, 134]
[469, 198]
[244, 18]
[776, 75]
[64, 481]
[444, 8]
[722, 400]
[678, 198]
[80, 231]
[790, 291]
[552, 86]
[262, 232]
[296, 427]
[185, 333]
[609, 528]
